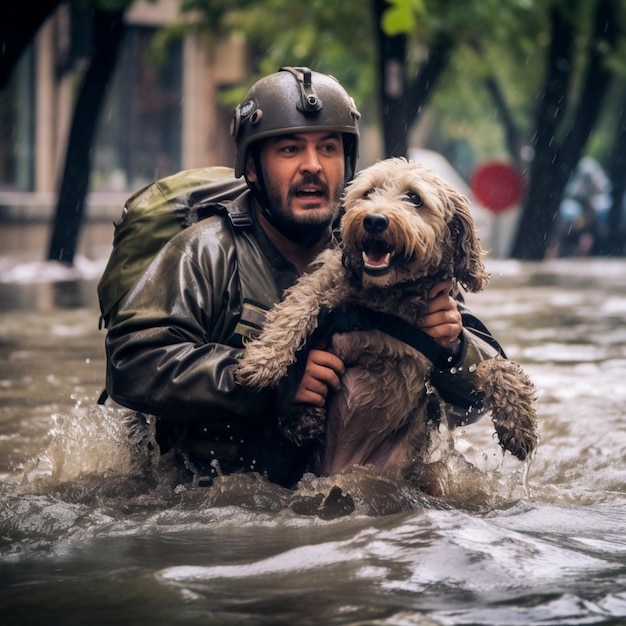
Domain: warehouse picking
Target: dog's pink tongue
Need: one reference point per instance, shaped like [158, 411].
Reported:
[376, 259]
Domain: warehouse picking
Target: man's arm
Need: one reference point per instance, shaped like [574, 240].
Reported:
[468, 341]
[166, 350]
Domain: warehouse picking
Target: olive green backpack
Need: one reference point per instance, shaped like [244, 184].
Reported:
[153, 215]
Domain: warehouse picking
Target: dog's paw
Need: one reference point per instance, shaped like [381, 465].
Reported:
[520, 442]
[303, 423]
[510, 396]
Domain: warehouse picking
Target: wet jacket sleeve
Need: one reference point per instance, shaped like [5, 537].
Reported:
[455, 379]
[167, 351]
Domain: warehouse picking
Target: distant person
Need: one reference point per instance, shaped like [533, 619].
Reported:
[575, 231]
[581, 224]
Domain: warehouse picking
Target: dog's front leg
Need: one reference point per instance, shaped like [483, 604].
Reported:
[289, 326]
[510, 396]
[266, 359]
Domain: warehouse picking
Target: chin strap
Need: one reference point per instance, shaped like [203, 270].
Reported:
[259, 189]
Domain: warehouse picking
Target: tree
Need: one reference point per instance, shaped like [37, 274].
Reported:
[402, 98]
[560, 135]
[332, 37]
[19, 23]
[615, 244]
[571, 74]
[107, 32]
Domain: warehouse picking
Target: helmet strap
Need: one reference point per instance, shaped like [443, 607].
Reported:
[259, 189]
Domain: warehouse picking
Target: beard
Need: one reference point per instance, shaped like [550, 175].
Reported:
[308, 227]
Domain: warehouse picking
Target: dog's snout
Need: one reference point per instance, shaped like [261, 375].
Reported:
[375, 223]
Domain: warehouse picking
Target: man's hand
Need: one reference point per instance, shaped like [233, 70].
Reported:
[322, 373]
[442, 320]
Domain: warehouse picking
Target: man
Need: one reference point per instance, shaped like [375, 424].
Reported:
[174, 341]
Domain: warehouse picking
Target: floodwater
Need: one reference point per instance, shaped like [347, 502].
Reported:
[95, 530]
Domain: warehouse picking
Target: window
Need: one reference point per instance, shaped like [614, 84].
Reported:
[16, 127]
[139, 136]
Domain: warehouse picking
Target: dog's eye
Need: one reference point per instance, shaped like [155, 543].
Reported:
[415, 198]
[368, 193]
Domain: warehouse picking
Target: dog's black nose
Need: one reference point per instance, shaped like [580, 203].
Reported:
[375, 223]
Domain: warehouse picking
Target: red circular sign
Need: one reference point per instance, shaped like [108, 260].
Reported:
[497, 186]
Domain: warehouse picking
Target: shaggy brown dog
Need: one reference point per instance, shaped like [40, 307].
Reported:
[404, 230]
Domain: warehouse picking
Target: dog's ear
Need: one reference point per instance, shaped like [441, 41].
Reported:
[467, 252]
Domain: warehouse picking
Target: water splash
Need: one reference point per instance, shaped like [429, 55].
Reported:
[103, 441]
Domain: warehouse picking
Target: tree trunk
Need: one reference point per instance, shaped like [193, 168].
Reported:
[546, 181]
[512, 134]
[391, 60]
[431, 70]
[108, 30]
[556, 151]
[617, 166]
[402, 101]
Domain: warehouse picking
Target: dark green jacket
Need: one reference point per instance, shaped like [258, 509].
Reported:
[173, 343]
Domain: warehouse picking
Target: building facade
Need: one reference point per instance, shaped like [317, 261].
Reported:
[160, 115]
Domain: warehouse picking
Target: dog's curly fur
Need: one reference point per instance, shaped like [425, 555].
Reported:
[403, 231]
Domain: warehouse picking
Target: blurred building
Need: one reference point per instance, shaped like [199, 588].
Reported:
[158, 118]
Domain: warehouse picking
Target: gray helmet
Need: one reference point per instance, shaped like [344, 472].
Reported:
[295, 99]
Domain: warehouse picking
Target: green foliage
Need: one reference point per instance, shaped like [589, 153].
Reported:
[332, 37]
[402, 16]
[502, 40]
[508, 42]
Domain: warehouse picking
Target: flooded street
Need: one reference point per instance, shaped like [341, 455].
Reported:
[91, 532]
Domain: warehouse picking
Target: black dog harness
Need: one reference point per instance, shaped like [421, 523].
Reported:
[357, 318]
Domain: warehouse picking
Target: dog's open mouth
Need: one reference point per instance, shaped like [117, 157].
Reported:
[376, 256]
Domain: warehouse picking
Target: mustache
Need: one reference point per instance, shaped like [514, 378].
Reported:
[309, 179]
